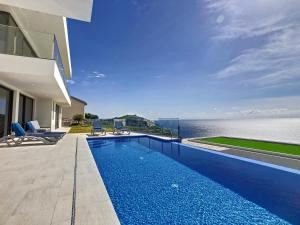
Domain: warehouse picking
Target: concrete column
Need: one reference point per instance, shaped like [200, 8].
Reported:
[34, 116]
[53, 115]
[60, 116]
[15, 108]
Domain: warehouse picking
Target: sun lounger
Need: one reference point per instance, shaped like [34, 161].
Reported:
[21, 136]
[97, 127]
[120, 129]
[34, 128]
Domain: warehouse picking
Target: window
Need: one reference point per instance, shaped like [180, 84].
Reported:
[6, 98]
[25, 110]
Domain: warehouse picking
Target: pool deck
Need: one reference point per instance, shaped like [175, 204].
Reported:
[37, 186]
[60, 184]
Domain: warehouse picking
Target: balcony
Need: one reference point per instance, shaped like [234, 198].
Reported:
[28, 43]
[41, 54]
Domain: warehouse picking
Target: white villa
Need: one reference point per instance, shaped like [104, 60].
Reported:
[35, 59]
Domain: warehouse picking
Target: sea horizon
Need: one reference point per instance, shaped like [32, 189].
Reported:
[285, 129]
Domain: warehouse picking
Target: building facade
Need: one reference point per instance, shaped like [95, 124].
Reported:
[35, 60]
[77, 107]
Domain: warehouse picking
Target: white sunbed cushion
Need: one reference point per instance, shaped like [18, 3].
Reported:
[35, 124]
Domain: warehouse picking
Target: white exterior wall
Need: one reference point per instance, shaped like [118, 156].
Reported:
[46, 115]
[44, 112]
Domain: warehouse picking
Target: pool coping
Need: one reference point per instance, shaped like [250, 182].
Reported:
[93, 203]
[134, 136]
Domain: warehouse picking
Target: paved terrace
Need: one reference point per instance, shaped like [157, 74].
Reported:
[37, 185]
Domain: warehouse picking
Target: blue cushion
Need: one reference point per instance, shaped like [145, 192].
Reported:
[19, 131]
[97, 124]
[98, 129]
[31, 127]
[119, 125]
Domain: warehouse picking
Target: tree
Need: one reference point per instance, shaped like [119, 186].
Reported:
[91, 116]
[78, 118]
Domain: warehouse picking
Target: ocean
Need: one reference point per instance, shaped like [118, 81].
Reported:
[273, 129]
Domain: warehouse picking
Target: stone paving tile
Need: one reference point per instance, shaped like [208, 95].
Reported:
[63, 205]
[42, 217]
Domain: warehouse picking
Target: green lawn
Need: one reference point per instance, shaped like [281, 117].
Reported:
[80, 129]
[260, 145]
[86, 129]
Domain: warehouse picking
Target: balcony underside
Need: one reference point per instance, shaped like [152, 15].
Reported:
[75, 9]
[38, 77]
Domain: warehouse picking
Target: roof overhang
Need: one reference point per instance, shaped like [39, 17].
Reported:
[75, 9]
[79, 100]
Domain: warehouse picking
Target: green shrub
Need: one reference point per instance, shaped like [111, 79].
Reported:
[78, 118]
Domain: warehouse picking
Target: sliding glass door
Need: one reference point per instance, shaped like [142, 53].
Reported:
[57, 110]
[6, 98]
[25, 110]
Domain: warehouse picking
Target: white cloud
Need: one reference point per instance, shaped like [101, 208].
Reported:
[263, 107]
[96, 74]
[220, 19]
[70, 81]
[275, 62]
[88, 78]
[253, 18]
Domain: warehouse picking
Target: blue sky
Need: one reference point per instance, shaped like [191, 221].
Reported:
[188, 59]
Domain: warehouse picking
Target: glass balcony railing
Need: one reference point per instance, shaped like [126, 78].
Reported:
[22, 42]
[166, 127]
[60, 65]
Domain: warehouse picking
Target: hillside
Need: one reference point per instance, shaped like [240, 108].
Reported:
[136, 121]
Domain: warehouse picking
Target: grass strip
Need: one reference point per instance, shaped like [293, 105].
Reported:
[254, 144]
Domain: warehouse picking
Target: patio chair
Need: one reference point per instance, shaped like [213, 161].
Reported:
[120, 129]
[34, 127]
[97, 127]
[21, 136]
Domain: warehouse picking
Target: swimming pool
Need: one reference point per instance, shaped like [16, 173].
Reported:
[152, 181]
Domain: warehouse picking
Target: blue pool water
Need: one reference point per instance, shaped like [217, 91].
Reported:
[157, 182]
